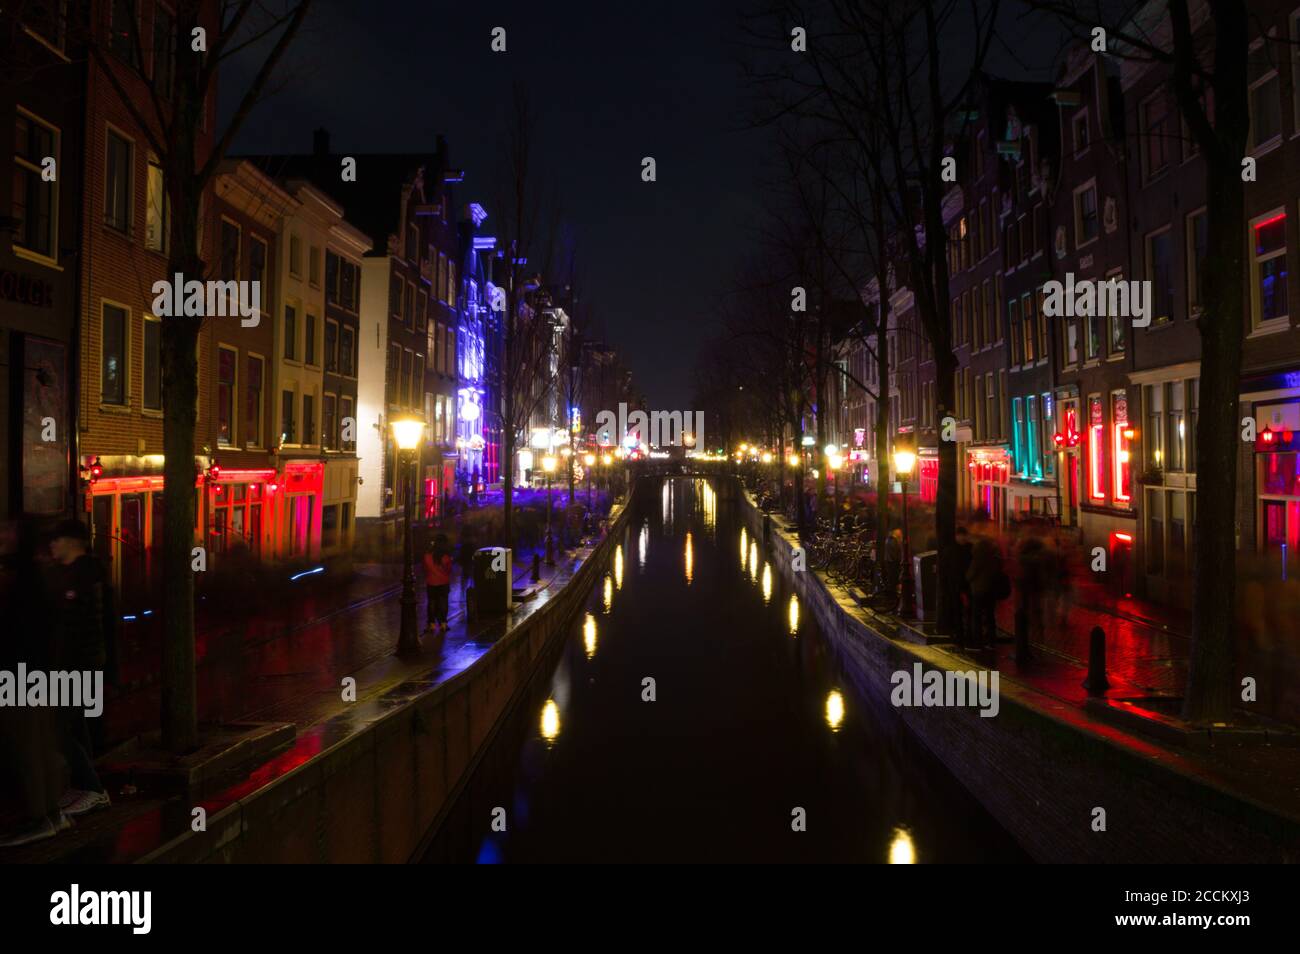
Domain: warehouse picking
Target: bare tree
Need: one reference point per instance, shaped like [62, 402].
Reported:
[169, 99]
[1209, 64]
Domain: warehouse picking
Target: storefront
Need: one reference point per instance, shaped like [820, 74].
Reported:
[988, 471]
[1277, 482]
[124, 498]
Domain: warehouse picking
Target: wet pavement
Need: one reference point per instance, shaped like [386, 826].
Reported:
[754, 730]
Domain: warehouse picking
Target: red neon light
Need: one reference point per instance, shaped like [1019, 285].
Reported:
[248, 475]
[1266, 222]
[1097, 490]
[1123, 537]
[1266, 436]
[1121, 462]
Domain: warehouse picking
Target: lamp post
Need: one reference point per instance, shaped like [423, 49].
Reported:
[904, 461]
[833, 464]
[548, 466]
[588, 462]
[407, 433]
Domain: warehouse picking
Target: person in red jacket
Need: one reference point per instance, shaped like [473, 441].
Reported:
[437, 581]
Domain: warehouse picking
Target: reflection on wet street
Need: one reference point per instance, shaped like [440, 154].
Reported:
[695, 713]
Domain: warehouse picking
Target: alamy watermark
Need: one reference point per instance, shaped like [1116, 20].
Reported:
[35, 688]
[657, 429]
[946, 688]
[211, 299]
[1084, 299]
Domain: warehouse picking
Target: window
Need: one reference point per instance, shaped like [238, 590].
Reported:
[1092, 336]
[331, 345]
[290, 333]
[445, 282]
[988, 314]
[229, 267]
[409, 306]
[1047, 450]
[313, 266]
[1030, 327]
[1197, 246]
[1042, 325]
[295, 256]
[396, 290]
[308, 419]
[117, 185]
[1154, 438]
[122, 30]
[408, 359]
[288, 435]
[1269, 282]
[164, 51]
[331, 277]
[1080, 129]
[152, 370]
[347, 351]
[1160, 272]
[35, 203]
[113, 342]
[48, 20]
[328, 424]
[253, 402]
[1123, 436]
[413, 244]
[1085, 213]
[345, 408]
[1070, 343]
[1034, 463]
[1017, 339]
[157, 210]
[451, 350]
[421, 311]
[1096, 448]
[1176, 422]
[1155, 135]
[309, 339]
[1265, 99]
[348, 286]
[227, 359]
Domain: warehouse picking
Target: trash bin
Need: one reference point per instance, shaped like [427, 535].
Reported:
[492, 584]
[925, 569]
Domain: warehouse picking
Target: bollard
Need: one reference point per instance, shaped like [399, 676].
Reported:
[1023, 654]
[537, 567]
[1096, 683]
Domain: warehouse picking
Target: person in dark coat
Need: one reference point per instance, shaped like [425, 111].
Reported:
[32, 767]
[80, 595]
[988, 584]
[965, 554]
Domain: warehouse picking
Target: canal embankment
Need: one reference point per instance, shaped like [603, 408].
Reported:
[1069, 786]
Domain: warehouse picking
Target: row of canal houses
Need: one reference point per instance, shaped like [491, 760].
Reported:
[1089, 423]
[373, 306]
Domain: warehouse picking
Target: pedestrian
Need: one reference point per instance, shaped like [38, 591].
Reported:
[965, 553]
[988, 584]
[437, 581]
[1033, 564]
[81, 596]
[893, 561]
[30, 760]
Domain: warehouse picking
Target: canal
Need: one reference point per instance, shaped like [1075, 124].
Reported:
[696, 713]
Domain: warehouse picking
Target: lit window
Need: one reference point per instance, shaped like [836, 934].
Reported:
[1096, 449]
[1123, 436]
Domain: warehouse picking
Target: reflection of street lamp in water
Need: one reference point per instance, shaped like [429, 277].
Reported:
[904, 462]
[407, 433]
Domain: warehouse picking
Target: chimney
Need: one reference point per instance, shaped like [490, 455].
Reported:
[320, 142]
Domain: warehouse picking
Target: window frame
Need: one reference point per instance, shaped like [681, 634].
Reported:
[20, 250]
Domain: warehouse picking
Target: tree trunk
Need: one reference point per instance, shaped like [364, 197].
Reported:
[179, 716]
[882, 427]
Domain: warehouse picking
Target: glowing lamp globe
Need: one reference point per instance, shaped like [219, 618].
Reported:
[407, 432]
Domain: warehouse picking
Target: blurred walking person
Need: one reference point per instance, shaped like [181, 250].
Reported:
[80, 596]
[437, 582]
[29, 737]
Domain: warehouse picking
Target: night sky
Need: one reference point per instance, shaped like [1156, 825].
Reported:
[610, 83]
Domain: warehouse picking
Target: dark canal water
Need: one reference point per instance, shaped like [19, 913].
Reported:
[752, 719]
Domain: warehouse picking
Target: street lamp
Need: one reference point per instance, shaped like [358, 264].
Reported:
[904, 461]
[588, 462]
[407, 434]
[548, 466]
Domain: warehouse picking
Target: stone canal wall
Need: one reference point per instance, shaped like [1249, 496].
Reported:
[375, 795]
[1041, 766]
